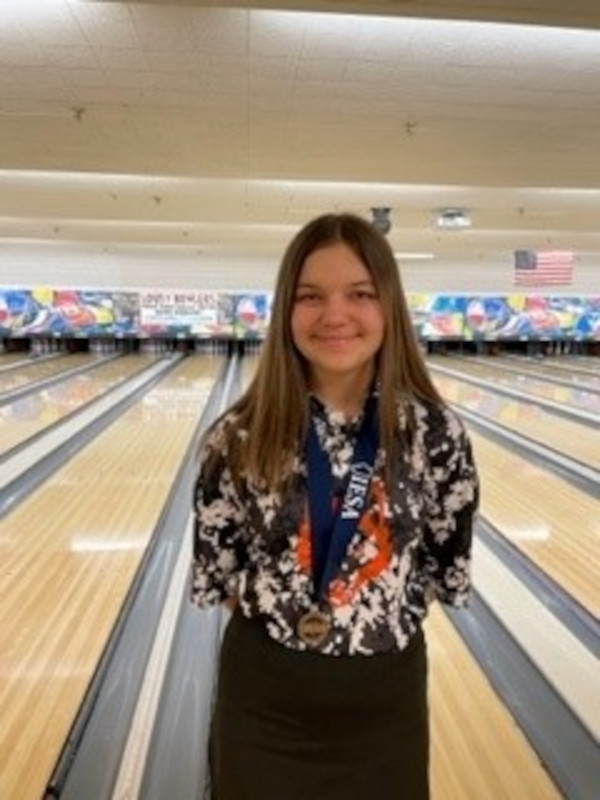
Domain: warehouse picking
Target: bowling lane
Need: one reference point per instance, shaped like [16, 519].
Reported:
[249, 364]
[578, 398]
[477, 750]
[527, 419]
[9, 359]
[31, 414]
[533, 367]
[549, 520]
[40, 370]
[587, 365]
[68, 556]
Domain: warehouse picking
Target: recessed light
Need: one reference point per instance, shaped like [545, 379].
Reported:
[414, 256]
[453, 219]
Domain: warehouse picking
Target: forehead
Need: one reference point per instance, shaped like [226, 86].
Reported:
[335, 263]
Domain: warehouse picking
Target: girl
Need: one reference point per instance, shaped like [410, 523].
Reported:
[335, 500]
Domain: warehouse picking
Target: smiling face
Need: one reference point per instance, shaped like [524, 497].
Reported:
[337, 322]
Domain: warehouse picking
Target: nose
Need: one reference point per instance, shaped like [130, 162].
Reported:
[334, 310]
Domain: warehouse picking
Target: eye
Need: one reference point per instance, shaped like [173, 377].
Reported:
[364, 294]
[307, 297]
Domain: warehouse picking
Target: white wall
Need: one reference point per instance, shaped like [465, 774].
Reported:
[457, 276]
[24, 264]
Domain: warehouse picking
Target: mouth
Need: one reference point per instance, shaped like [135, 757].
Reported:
[336, 342]
[347, 337]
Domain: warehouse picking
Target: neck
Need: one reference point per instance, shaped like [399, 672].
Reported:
[344, 393]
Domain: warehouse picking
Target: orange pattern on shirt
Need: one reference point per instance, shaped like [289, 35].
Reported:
[376, 532]
[304, 548]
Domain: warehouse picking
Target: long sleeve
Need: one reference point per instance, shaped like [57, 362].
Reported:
[451, 499]
[219, 550]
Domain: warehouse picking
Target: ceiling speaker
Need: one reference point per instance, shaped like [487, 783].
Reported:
[381, 219]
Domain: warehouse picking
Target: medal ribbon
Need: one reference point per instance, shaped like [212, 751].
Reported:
[331, 532]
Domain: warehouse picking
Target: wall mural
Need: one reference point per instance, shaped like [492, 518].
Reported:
[521, 316]
[42, 310]
[438, 316]
[46, 311]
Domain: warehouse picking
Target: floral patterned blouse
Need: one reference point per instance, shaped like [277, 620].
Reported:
[411, 544]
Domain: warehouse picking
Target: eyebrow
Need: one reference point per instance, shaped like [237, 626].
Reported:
[306, 285]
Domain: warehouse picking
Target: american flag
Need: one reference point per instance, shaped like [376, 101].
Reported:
[550, 268]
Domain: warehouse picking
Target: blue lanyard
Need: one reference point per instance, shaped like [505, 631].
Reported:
[331, 532]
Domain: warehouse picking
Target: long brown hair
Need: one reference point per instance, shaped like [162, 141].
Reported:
[274, 410]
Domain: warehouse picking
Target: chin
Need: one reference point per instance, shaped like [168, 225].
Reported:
[341, 366]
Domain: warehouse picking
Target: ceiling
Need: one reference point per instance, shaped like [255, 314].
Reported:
[222, 128]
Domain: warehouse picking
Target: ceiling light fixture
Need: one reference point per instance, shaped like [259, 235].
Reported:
[453, 219]
[407, 256]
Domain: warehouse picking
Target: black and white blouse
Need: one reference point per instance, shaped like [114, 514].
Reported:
[411, 544]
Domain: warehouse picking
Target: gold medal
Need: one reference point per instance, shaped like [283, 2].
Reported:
[313, 627]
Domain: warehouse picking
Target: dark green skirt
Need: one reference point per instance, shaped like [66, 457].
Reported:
[291, 725]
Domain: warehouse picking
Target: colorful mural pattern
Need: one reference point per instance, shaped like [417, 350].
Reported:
[47, 311]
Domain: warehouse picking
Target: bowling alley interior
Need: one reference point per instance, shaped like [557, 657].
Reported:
[156, 158]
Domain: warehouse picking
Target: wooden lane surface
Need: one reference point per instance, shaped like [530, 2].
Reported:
[548, 519]
[581, 379]
[477, 750]
[568, 437]
[587, 365]
[19, 378]
[249, 364]
[7, 359]
[29, 415]
[577, 398]
[67, 559]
